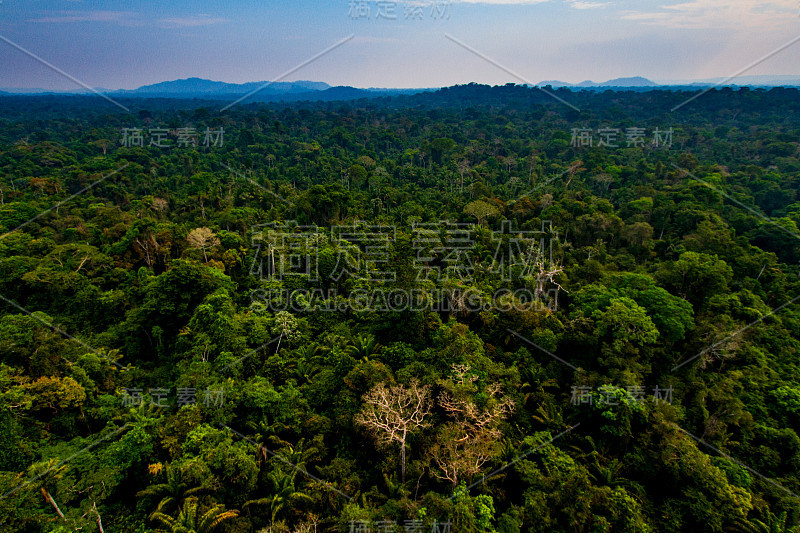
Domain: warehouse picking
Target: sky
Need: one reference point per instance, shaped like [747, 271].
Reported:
[62, 44]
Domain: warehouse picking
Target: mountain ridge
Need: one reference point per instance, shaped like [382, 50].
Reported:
[195, 87]
[633, 81]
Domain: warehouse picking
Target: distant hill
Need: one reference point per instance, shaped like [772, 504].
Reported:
[295, 91]
[635, 81]
[262, 91]
[767, 80]
[554, 83]
[202, 87]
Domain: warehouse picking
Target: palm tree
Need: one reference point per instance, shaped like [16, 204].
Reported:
[307, 351]
[283, 493]
[298, 455]
[362, 347]
[268, 431]
[172, 493]
[549, 415]
[304, 362]
[306, 369]
[187, 520]
[609, 474]
[774, 524]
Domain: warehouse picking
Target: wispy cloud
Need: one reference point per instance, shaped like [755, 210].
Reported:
[68, 17]
[191, 21]
[703, 14]
[579, 4]
[576, 4]
[127, 18]
[499, 2]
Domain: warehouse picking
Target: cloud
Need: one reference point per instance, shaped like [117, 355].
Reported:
[576, 4]
[705, 14]
[127, 18]
[191, 21]
[487, 2]
[119, 17]
[580, 4]
[501, 2]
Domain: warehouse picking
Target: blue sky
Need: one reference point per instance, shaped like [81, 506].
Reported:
[116, 44]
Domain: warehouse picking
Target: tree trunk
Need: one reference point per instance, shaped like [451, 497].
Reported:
[99, 519]
[403, 459]
[272, 262]
[49, 499]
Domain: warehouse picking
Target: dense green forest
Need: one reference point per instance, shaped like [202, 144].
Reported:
[442, 313]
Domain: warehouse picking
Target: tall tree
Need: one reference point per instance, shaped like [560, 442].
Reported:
[202, 239]
[393, 412]
[469, 440]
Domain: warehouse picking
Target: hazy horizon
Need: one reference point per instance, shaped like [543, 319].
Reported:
[382, 44]
[763, 80]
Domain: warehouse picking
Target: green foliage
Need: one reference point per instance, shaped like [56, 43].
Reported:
[167, 277]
